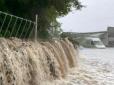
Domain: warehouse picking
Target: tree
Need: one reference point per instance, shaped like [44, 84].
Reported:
[47, 10]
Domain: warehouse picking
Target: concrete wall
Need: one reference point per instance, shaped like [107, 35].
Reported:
[111, 36]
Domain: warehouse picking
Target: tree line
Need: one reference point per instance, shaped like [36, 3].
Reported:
[48, 11]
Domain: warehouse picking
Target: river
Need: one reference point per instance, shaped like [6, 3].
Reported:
[96, 67]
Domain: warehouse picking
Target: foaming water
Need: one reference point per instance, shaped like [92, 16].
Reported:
[29, 63]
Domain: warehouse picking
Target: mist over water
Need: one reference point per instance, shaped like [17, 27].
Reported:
[41, 63]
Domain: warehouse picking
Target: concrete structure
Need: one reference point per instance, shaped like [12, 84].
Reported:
[107, 37]
[111, 36]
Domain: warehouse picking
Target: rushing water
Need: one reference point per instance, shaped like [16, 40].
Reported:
[41, 63]
[96, 67]
[53, 63]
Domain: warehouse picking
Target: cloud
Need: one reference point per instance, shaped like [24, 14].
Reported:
[97, 15]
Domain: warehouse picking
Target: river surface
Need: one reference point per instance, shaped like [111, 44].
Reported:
[96, 67]
[102, 55]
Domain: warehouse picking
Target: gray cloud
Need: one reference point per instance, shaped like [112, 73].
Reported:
[97, 15]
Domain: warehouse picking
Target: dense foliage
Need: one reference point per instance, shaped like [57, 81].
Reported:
[47, 10]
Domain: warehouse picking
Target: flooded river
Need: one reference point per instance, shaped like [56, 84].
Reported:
[54, 63]
[102, 55]
[96, 67]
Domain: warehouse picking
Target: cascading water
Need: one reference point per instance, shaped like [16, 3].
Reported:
[29, 63]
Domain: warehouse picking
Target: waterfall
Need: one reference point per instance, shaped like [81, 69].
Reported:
[29, 63]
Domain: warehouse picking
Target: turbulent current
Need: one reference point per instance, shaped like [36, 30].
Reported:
[35, 63]
[53, 62]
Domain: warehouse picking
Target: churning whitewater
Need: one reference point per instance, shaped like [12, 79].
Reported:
[49, 63]
[41, 63]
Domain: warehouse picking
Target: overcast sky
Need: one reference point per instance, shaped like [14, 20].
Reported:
[97, 16]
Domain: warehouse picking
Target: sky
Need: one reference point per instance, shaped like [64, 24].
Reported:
[96, 16]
